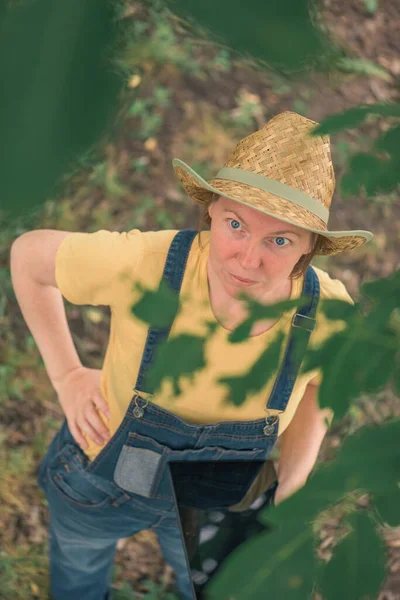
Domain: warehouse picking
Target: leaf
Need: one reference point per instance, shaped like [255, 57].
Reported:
[371, 5]
[281, 562]
[384, 349]
[359, 559]
[188, 357]
[257, 312]
[338, 309]
[340, 359]
[381, 288]
[257, 29]
[396, 381]
[372, 458]
[323, 489]
[389, 142]
[368, 460]
[363, 67]
[387, 505]
[362, 165]
[349, 185]
[349, 119]
[254, 380]
[157, 308]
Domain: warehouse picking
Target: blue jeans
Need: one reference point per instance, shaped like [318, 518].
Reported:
[87, 518]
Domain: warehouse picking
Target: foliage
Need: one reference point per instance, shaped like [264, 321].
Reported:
[378, 170]
[51, 112]
[257, 31]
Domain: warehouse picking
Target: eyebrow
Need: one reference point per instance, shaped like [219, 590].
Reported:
[225, 210]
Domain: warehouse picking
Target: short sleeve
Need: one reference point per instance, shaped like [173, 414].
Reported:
[95, 268]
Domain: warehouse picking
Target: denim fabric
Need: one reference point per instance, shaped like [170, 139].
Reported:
[128, 486]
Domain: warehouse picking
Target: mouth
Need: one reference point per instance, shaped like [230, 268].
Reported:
[242, 281]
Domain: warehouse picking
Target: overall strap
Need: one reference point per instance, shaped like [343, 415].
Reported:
[174, 270]
[303, 324]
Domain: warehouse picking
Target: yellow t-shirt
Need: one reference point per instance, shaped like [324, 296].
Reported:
[100, 269]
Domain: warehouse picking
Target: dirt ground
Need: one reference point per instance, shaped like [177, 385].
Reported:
[206, 115]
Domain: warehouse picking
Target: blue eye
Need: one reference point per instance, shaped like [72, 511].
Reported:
[280, 241]
[232, 222]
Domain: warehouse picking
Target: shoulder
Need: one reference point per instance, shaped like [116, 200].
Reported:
[158, 241]
[109, 242]
[332, 288]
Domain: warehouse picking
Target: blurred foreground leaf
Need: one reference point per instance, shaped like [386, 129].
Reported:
[285, 562]
[359, 559]
[59, 91]
[280, 32]
[157, 307]
[351, 118]
[261, 371]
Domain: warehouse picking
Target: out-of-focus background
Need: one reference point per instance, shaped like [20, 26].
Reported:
[192, 100]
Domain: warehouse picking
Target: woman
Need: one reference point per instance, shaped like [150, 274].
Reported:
[106, 472]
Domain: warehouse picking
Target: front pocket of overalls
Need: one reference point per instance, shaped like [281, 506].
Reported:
[140, 467]
[67, 475]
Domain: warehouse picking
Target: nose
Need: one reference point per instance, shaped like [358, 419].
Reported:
[249, 256]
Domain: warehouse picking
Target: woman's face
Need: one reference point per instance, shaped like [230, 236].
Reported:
[254, 247]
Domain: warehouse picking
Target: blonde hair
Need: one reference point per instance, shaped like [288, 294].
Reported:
[299, 268]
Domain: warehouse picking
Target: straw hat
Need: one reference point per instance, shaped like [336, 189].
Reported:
[281, 171]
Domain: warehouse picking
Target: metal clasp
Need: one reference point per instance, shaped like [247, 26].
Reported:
[270, 422]
[138, 411]
[312, 325]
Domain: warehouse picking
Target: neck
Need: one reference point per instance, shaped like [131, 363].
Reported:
[224, 304]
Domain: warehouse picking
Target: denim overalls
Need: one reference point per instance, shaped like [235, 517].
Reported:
[128, 486]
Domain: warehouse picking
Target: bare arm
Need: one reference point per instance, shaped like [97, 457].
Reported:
[300, 444]
[32, 265]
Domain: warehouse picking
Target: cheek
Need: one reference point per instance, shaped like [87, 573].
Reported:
[221, 248]
[279, 264]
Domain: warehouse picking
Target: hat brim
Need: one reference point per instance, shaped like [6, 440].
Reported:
[200, 190]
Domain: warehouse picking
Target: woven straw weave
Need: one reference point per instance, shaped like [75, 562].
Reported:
[282, 150]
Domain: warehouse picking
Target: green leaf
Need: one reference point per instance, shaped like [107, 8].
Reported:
[258, 312]
[257, 29]
[349, 185]
[381, 288]
[254, 380]
[363, 165]
[389, 142]
[188, 357]
[384, 349]
[341, 358]
[338, 310]
[351, 118]
[368, 460]
[281, 562]
[387, 505]
[371, 457]
[348, 119]
[396, 381]
[363, 67]
[360, 561]
[157, 308]
[323, 489]
[371, 5]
